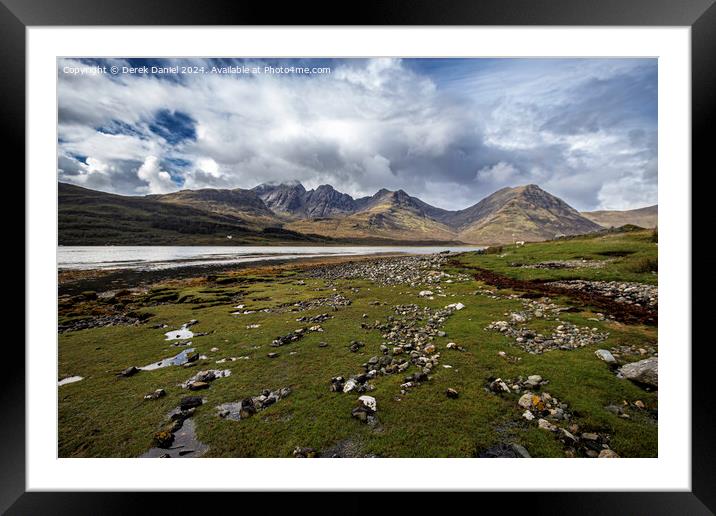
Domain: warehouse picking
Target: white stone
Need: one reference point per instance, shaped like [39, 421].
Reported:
[369, 401]
[69, 379]
[605, 355]
[350, 385]
[525, 400]
[543, 424]
[529, 416]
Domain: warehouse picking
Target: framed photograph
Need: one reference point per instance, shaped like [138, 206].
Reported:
[408, 243]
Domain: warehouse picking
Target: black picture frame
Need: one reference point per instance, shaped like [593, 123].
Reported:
[700, 15]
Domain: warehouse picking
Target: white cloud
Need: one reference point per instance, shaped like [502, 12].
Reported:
[569, 127]
[502, 174]
[158, 181]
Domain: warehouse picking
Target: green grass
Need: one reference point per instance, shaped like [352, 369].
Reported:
[634, 258]
[105, 416]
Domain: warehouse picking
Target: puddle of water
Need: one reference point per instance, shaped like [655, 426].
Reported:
[180, 359]
[69, 379]
[230, 410]
[185, 445]
[181, 334]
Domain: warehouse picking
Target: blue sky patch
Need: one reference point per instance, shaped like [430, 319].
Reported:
[174, 126]
[176, 168]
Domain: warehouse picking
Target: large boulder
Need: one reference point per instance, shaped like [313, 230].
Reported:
[644, 371]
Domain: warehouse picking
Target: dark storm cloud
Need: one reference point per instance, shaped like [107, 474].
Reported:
[447, 131]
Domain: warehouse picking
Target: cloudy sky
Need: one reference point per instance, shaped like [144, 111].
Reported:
[449, 131]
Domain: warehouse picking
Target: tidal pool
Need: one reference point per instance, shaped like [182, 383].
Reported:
[185, 445]
[179, 359]
[182, 333]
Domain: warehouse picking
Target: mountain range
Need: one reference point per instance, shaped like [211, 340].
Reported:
[287, 212]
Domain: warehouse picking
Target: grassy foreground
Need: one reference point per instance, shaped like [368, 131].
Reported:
[106, 416]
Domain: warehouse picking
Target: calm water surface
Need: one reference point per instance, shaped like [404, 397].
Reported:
[166, 257]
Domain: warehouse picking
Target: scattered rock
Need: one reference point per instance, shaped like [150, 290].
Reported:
[337, 383]
[304, 453]
[314, 319]
[69, 379]
[130, 371]
[525, 400]
[409, 270]
[159, 393]
[606, 356]
[568, 264]
[247, 407]
[101, 321]
[566, 337]
[521, 451]
[365, 410]
[355, 345]
[645, 372]
[197, 386]
[639, 294]
[202, 379]
[504, 451]
[163, 439]
[188, 402]
[369, 401]
[543, 424]
[295, 335]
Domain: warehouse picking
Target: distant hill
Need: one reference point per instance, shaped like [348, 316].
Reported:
[521, 213]
[643, 217]
[89, 217]
[287, 212]
[243, 205]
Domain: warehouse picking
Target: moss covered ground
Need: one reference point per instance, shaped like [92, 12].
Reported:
[106, 416]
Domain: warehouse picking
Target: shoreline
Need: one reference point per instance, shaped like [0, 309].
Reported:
[73, 282]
